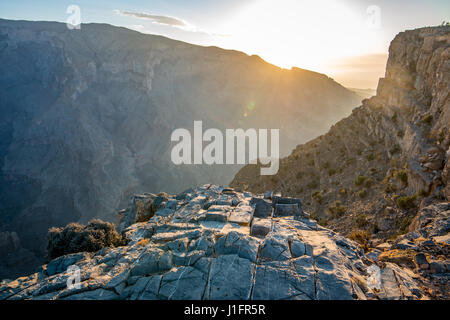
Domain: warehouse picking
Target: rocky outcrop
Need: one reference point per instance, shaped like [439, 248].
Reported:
[202, 244]
[87, 117]
[383, 172]
[424, 251]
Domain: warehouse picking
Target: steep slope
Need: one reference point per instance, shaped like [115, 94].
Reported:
[87, 117]
[212, 243]
[395, 143]
[376, 172]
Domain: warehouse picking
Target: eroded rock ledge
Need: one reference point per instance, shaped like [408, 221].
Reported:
[217, 243]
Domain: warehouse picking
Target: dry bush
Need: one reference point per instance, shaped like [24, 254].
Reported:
[76, 237]
[360, 236]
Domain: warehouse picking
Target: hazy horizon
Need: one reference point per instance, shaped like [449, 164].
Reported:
[347, 40]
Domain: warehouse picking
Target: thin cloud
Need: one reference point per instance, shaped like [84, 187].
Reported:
[136, 27]
[159, 19]
[165, 21]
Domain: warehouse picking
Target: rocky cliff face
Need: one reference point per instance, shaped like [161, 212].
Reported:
[376, 172]
[216, 243]
[87, 117]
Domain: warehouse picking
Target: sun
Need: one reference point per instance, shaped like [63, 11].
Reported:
[307, 34]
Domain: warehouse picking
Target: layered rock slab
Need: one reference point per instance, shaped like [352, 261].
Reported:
[184, 254]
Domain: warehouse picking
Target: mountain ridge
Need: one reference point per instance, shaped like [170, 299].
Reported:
[376, 174]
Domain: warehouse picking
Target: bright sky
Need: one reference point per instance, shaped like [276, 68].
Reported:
[346, 39]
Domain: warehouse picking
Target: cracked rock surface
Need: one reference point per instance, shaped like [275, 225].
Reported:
[183, 253]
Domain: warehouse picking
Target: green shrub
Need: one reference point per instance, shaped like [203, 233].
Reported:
[370, 157]
[389, 188]
[323, 222]
[394, 118]
[317, 196]
[368, 183]
[427, 119]
[395, 149]
[343, 192]
[402, 175]
[406, 202]
[337, 209]
[350, 161]
[423, 193]
[360, 236]
[299, 175]
[395, 163]
[313, 185]
[379, 156]
[331, 172]
[361, 220]
[402, 224]
[362, 193]
[76, 237]
[441, 136]
[359, 181]
[375, 228]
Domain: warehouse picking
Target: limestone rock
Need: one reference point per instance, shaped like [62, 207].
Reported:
[260, 227]
[185, 256]
[263, 208]
[286, 210]
[421, 261]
